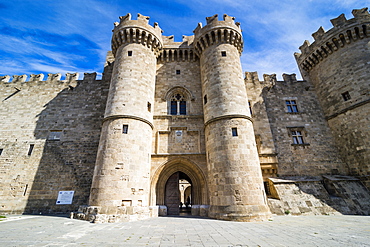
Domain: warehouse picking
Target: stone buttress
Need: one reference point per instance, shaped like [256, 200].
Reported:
[121, 182]
[235, 179]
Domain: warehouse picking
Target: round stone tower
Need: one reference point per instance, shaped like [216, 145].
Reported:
[337, 64]
[122, 173]
[235, 178]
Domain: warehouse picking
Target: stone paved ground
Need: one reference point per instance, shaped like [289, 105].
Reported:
[27, 230]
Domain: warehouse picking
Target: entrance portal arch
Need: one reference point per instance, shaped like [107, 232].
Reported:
[164, 172]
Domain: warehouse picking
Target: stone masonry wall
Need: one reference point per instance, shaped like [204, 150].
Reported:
[318, 154]
[261, 125]
[30, 180]
[353, 142]
[178, 138]
[180, 134]
[337, 64]
[331, 79]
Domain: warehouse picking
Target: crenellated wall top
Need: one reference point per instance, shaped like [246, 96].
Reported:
[225, 31]
[137, 31]
[69, 78]
[177, 51]
[269, 80]
[325, 43]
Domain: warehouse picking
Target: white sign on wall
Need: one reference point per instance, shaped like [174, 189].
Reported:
[65, 197]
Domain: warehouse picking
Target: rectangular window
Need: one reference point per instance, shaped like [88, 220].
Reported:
[1, 151]
[205, 99]
[250, 107]
[178, 72]
[182, 107]
[55, 135]
[129, 53]
[291, 105]
[234, 131]
[173, 107]
[25, 190]
[125, 129]
[346, 96]
[149, 107]
[30, 149]
[267, 188]
[297, 137]
[223, 53]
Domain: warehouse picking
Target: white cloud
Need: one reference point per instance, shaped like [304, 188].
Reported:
[273, 30]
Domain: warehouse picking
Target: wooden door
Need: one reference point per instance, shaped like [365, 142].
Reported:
[172, 195]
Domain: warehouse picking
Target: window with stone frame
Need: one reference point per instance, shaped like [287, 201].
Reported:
[178, 101]
[291, 105]
[234, 131]
[346, 96]
[30, 149]
[125, 129]
[298, 135]
[178, 104]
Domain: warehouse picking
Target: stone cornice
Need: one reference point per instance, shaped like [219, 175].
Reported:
[129, 117]
[227, 117]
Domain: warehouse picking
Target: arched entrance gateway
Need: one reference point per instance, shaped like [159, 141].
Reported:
[179, 181]
[175, 198]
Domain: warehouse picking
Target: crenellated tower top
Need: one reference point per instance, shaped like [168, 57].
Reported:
[343, 33]
[226, 31]
[137, 31]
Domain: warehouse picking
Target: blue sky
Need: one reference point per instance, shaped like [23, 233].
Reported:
[51, 36]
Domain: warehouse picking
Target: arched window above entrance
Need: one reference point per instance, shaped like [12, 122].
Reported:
[178, 104]
[178, 101]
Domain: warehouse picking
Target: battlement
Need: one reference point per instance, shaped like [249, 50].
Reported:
[226, 31]
[69, 78]
[343, 33]
[137, 31]
[177, 51]
[269, 80]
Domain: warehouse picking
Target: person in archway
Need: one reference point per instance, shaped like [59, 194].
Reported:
[187, 203]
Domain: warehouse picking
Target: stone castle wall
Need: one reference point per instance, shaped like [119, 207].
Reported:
[317, 155]
[178, 134]
[30, 180]
[261, 124]
[337, 64]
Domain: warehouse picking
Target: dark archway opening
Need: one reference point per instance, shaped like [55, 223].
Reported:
[178, 194]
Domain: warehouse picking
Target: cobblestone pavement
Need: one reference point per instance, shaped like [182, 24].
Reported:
[28, 230]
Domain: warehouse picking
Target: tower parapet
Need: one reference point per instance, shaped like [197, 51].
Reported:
[137, 31]
[337, 64]
[343, 33]
[177, 51]
[226, 31]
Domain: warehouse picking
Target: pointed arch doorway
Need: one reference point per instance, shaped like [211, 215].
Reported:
[166, 187]
[178, 196]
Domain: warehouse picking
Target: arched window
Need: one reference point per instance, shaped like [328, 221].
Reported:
[178, 101]
[178, 104]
